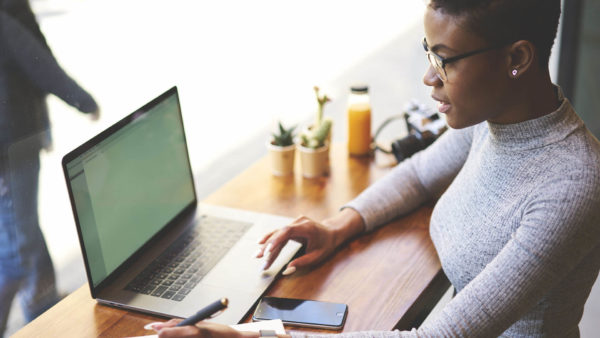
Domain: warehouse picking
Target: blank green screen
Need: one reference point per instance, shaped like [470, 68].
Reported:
[130, 186]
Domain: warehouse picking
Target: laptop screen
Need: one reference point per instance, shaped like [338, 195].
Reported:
[129, 183]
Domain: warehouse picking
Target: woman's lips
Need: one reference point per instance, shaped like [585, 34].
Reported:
[443, 107]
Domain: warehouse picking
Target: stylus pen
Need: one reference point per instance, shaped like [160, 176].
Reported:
[206, 312]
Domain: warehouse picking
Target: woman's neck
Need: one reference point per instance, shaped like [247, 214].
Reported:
[532, 96]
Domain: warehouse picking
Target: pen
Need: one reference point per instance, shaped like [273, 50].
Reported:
[205, 312]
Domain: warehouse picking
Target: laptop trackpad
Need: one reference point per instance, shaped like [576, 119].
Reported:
[239, 270]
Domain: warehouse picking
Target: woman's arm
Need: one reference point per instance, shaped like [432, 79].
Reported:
[412, 182]
[422, 177]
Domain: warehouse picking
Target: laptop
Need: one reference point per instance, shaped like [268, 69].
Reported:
[147, 244]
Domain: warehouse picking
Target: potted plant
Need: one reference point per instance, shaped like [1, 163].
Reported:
[314, 143]
[321, 101]
[282, 150]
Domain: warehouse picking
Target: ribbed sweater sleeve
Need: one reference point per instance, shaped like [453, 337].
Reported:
[40, 66]
[420, 178]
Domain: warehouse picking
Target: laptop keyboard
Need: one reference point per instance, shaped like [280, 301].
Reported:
[180, 268]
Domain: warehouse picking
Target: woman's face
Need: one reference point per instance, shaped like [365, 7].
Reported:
[477, 86]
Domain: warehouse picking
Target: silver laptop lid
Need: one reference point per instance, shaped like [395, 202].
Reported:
[128, 184]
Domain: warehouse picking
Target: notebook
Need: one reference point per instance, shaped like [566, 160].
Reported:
[147, 244]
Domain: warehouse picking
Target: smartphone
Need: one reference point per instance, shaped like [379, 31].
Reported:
[300, 312]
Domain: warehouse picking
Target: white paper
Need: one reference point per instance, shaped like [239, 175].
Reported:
[275, 325]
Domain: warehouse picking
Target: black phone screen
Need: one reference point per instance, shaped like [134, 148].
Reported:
[302, 312]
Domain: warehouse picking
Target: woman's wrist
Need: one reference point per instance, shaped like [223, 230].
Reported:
[346, 224]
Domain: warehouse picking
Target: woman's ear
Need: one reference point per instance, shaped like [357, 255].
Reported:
[521, 56]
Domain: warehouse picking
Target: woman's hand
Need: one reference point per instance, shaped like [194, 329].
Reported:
[200, 330]
[319, 240]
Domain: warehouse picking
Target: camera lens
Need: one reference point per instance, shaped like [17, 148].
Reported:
[406, 147]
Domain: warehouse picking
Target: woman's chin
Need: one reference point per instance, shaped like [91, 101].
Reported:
[455, 122]
[459, 124]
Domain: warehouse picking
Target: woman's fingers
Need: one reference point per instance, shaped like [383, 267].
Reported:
[264, 249]
[304, 230]
[275, 244]
[299, 231]
[308, 259]
[267, 236]
[273, 238]
[156, 326]
[188, 331]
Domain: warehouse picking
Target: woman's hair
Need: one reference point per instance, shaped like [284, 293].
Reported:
[507, 21]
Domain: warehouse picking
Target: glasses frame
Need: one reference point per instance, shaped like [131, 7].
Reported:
[439, 63]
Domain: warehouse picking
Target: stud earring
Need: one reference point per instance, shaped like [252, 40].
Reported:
[514, 72]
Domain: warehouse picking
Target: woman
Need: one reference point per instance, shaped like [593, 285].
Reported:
[517, 226]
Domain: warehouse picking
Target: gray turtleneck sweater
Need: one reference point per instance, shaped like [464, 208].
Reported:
[517, 226]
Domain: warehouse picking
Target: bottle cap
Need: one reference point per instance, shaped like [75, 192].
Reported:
[359, 88]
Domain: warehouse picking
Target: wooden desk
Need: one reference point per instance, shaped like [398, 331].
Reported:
[390, 278]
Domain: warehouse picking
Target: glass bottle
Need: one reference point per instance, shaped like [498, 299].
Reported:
[359, 121]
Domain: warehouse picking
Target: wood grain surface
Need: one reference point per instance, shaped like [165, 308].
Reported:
[390, 278]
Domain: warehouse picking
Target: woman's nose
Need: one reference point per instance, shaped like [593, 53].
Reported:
[431, 77]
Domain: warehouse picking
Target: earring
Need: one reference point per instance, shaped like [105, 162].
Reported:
[514, 72]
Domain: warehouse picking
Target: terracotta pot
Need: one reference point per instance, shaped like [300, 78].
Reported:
[282, 159]
[314, 162]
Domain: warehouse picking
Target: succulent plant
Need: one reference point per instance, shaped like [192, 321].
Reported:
[321, 100]
[315, 137]
[285, 137]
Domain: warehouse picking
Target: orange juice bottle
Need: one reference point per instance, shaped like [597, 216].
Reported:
[359, 121]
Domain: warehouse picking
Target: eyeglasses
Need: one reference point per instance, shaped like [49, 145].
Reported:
[439, 63]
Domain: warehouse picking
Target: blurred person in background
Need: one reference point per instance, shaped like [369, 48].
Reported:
[28, 72]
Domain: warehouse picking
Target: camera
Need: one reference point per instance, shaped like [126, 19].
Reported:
[424, 126]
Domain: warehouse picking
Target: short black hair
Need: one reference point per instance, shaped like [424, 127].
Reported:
[507, 21]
